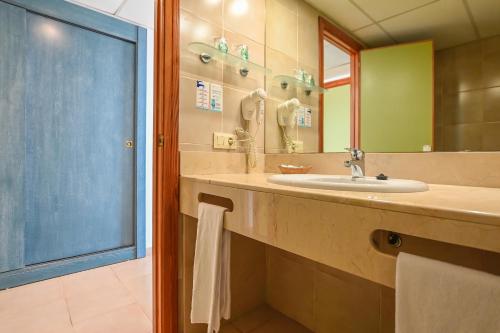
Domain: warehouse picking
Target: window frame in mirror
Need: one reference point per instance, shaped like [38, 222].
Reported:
[339, 38]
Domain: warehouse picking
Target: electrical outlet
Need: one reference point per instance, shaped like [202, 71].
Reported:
[224, 140]
[298, 146]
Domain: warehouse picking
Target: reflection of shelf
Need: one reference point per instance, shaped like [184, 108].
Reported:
[286, 81]
[207, 53]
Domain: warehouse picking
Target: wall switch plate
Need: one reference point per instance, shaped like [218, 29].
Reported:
[224, 140]
[298, 146]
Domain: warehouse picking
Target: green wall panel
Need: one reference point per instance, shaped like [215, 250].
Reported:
[397, 98]
[337, 119]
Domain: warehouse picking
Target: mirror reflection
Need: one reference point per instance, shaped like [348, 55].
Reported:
[396, 78]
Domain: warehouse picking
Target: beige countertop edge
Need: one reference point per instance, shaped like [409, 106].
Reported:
[463, 203]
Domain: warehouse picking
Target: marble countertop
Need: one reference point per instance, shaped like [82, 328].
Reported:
[464, 203]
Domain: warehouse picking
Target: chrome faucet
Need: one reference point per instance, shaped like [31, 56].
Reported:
[356, 162]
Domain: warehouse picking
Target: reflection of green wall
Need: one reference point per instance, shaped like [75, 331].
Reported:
[397, 98]
[337, 119]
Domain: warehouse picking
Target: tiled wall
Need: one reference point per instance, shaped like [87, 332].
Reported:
[324, 299]
[291, 43]
[281, 35]
[466, 169]
[468, 97]
[204, 21]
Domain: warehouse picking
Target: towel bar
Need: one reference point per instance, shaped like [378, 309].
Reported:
[391, 243]
[216, 200]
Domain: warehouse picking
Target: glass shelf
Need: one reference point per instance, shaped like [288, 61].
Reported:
[286, 81]
[207, 53]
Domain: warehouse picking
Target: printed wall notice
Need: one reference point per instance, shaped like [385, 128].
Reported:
[216, 100]
[304, 117]
[307, 117]
[202, 95]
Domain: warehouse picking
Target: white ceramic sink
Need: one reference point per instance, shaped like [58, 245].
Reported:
[346, 183]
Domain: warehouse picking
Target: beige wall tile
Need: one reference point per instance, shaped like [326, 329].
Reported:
[195, 125]
[463, 137]
[464, 71]
[195, 29]
[248, 274]
[292, 5]
[290, 286]
[345, 303]
[205, 163]
[209, 10]
[491, 136]
[281, 28]
[387, 310]
[463, 107]
[467, 97]
[308, 35]
[251, 23]
[491, 61]
[492, 105]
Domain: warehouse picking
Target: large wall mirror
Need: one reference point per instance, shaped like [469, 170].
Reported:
[389, 77]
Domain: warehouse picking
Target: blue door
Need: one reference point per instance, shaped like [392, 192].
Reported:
[72, 140]
[79, 114]
[12, 81]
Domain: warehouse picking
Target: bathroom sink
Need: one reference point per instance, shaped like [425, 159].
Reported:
[347, 183]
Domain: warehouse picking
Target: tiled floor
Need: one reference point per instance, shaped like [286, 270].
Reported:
[263, 320]
[110, 299]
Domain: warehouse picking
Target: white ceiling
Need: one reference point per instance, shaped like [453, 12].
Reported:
[140, 12]
[337, 62]
[384, 22]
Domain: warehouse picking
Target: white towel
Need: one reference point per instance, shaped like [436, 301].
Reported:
[211, 277]
[437, 297]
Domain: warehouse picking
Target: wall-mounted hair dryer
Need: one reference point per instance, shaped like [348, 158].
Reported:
[251, 105]
[287, 113]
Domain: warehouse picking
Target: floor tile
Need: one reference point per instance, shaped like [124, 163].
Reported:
[254, 319]
[97, 302]
[18, 299]
[228, 328]
[89, 281]
[127, 319]
[282, 324]
[133, 268]
[141, 288]
[51, 317]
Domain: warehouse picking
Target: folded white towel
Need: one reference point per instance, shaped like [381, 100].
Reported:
[437, 297]
[211, 299]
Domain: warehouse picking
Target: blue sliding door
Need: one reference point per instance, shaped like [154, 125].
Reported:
[72, 109]
[12, 81]
[79, 114]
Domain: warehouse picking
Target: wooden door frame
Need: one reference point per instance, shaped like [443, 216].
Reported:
[345, 42]
[166, 167]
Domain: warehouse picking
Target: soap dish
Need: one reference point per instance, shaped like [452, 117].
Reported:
[294, 169]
